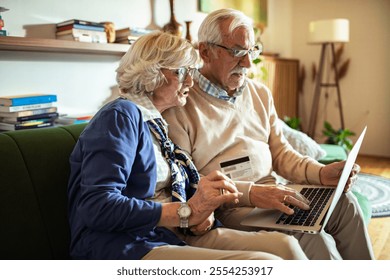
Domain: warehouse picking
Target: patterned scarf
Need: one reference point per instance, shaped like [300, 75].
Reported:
[185, 176]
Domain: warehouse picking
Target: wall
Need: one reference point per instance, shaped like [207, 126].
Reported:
[365, 90]
[82, 82]
[85, 82]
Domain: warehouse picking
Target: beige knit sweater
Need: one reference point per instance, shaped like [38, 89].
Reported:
[213, 131]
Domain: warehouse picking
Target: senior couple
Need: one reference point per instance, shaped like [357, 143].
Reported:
[136, 194]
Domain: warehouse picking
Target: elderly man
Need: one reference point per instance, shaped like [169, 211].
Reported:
[228, 116]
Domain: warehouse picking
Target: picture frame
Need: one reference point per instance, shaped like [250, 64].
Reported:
[255, 9]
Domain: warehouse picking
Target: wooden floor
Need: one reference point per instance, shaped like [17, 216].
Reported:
[379, 228]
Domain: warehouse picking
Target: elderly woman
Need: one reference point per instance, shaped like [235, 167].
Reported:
[133, 194]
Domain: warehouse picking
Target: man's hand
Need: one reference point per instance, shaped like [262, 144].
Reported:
[204, 226]
[277, 197]
[330, 174]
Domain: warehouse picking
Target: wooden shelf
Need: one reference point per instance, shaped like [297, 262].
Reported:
[10, 43]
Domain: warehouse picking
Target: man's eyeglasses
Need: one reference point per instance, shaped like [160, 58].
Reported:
[253, 52]
[183, 72]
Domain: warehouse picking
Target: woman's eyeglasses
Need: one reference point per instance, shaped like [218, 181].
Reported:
[183, 72]
[253, 52]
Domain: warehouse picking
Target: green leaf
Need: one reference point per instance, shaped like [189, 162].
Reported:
[256, 61]
[338, 137]
[293, 122]
[329, 127]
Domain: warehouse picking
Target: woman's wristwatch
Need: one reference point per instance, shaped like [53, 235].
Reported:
[184, 213]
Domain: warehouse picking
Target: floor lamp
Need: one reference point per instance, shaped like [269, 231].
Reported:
[326, 33]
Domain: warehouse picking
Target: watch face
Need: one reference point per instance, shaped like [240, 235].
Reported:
[184, 211]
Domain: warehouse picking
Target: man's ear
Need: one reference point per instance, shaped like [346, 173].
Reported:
[204, 52]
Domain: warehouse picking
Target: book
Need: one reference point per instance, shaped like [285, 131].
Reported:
[76, 32]
[79, 21]
[25, 107]
[29, 122]
[52, 115]
[26, 99]
[74, 119]
[7, 126]
[133, 31]
[123, 35]
[80, 35]
[80, 26]
[28, 112]
[81, 38]
[127, 40]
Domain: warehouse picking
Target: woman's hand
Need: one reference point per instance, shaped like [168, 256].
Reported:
[208, 196]
[330, 174]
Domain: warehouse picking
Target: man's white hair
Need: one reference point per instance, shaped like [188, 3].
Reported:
[209, 31]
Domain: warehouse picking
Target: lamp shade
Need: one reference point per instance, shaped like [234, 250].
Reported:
[329, 31]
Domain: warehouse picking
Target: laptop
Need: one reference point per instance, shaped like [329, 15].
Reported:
[315, 219]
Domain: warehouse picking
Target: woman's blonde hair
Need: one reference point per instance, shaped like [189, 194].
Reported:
[139, 69]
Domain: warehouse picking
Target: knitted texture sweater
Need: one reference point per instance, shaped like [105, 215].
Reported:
[212, 131]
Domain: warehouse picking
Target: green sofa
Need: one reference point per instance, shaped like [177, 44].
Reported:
[34, 172]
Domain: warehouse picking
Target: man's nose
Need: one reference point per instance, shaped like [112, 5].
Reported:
[246, 61]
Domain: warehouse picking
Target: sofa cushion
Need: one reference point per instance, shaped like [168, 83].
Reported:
[33, 192]
[301, 142]
[333, 153]
[22, 231]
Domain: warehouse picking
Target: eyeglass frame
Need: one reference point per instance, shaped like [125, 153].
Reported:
[182, 76]
[236, 52]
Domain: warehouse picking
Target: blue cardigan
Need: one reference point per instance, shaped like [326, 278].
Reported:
[113, 171]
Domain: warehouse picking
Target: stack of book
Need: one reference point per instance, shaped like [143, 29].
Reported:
[129, 35]
[27, 111]
[81, 30]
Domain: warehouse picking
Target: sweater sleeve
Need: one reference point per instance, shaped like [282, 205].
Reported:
[285, 160]
[117, 172]
[245, 188]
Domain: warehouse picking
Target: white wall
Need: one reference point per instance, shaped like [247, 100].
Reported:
[82, 82]
[85, 82]
[277, 37]
[365, 90]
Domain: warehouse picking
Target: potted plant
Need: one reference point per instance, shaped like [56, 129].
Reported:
[338, 137]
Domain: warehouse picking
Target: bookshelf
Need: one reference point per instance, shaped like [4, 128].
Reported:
[33, 46]
[10, 43]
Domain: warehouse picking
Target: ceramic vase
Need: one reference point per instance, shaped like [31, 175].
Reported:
[188, 31]
[173, 26]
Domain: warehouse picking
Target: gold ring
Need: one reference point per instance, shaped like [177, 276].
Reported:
[285, 198]
[222, 191]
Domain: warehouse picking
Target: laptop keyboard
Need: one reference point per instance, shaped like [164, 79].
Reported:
[318, 198]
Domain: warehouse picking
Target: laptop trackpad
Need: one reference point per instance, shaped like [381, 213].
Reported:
[261, 217]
